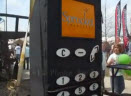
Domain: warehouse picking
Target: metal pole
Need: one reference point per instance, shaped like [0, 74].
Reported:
[105, 23]
[130, 26]
[6, 15]
[4, 25]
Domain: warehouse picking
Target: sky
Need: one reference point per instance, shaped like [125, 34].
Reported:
[16, 7]
[21, 7]
[110, 15]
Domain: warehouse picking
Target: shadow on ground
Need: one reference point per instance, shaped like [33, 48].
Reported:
[126, 94]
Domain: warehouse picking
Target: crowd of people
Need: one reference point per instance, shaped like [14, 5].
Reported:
[110, 54]
[15, 54]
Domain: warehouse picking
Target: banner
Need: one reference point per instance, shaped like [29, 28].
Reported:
[78, 22]
[125, 30]
[117, 22]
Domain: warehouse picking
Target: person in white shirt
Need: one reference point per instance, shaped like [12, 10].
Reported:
[119, 84]
[27, 51]
[18, 52]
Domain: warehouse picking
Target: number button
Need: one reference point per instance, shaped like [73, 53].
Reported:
[80, 90]
[80, 77]
[94, 74]
[80, 52]
[94, 87]
[94, 95]
[63, 80]
[63, 52]
[63, 93]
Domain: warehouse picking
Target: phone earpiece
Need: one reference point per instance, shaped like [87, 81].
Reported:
[93, 52]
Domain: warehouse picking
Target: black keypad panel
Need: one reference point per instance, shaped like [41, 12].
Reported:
[78, 91]
[66, 59]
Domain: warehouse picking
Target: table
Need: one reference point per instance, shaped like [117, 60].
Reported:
[117, 67]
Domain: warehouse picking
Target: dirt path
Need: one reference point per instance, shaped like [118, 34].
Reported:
[127, 85]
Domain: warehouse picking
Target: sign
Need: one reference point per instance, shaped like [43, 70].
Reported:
[68, 42]
[78, 19]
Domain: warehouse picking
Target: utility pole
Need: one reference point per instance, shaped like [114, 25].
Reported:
[6, 14]
[105, 23]
[4, 24]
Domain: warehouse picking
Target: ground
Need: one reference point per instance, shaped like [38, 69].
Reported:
[127, 86]
[25, 88]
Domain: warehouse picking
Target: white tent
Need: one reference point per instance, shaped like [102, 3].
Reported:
[111, 39]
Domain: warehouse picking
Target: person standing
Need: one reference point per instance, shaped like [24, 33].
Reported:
[26, 62]
[129, 46]
[17, 55]
[18, 52]
[104, 58]
[119, 84]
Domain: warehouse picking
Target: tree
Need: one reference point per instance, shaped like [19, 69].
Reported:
[108, 26]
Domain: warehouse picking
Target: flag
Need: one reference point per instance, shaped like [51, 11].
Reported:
[117, 22]
[125, 30]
